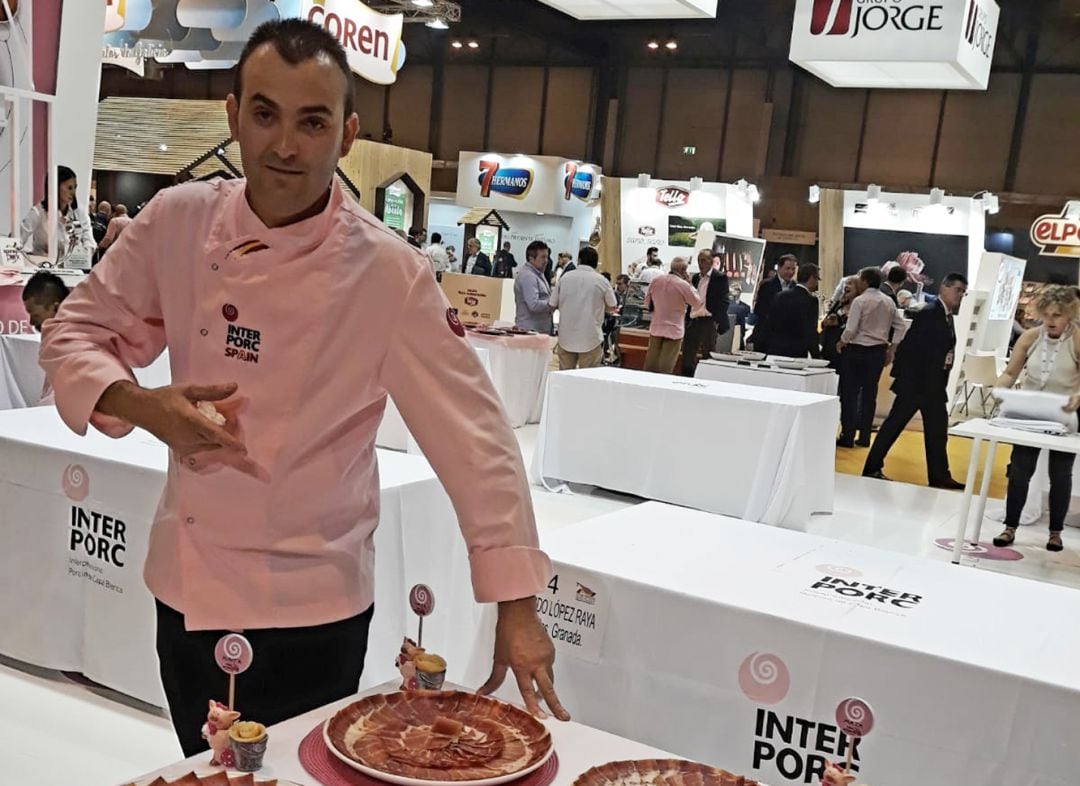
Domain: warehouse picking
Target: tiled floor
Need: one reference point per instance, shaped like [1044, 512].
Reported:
[56, 733]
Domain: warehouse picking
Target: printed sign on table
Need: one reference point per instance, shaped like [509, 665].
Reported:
[574, 611]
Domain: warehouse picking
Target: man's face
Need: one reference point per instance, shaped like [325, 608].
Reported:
[621, 287]
[786, 271]
[952, 295]
[292, 131]
[39, 309]
[541, 259]
[653, 256]
[812, 284]
[472, 247]
[704, 263]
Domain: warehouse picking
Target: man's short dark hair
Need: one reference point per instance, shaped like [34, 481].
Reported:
[652, 250]
[807, 272]
[954, 278]
[871, 276]
[896, 275]
[297, 41]
[622, 278]
[606, 275]
[534, 249]
[588, 256]
[787, 258]
[436, 238]
[45, 286]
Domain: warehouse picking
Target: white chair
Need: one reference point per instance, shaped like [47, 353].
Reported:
[979, 374]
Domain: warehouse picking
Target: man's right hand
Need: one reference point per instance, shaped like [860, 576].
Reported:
[170, 414]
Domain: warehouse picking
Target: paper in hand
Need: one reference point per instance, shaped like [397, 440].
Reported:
[1035, 405]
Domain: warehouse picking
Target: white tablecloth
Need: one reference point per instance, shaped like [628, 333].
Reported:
[579, 748]
[823, 381]
[61, 609]
[760, 454]
[519, 369]
[22, 379]
[971, 684]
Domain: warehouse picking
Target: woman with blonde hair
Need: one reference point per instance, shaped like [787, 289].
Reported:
[1045, 358]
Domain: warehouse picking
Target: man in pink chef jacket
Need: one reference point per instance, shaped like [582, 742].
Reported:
[295, 312]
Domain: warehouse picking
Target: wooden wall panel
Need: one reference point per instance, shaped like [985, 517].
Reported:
[464, 97]
[828, 131]
[747, 142]
[976, 134]
[515, 109]
[370, 164]
[1050, 156]
[640, 115]
[831, 239]
[410, 107]
[566, 125]
[693, 115]
[900, 130]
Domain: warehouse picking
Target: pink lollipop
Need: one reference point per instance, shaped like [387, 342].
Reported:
[422, 600]
[233, 653]
[855, 717]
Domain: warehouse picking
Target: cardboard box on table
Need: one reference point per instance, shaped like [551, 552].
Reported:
[480, 300]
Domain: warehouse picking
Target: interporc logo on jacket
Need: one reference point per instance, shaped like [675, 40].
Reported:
[241, 343]
[797, 748]
[852, 17]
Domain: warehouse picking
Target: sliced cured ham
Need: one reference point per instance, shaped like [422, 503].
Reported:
[216, 779]
[449, 736]
[660, 772]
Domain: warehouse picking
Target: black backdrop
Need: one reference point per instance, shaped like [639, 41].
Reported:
[941, 254]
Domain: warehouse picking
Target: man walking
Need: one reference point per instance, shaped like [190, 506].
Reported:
[583, 297]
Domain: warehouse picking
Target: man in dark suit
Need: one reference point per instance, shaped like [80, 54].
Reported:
[920, 373]
[705, 324]
[784, 279]
[504, 263]
[894, 282]
[793, 321]
[476, 262]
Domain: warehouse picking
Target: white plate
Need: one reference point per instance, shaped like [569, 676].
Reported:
[789, 365]
[401, 780]
[727, 358]
[817, 363]
[746, 355]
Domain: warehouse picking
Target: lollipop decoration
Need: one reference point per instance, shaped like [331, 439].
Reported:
[422, 601]
[855, 718]
[233, 654]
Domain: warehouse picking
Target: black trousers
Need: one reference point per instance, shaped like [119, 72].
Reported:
[1022, 468]
[935, 416]
[699, 340]
[860, 371]
[294, 670]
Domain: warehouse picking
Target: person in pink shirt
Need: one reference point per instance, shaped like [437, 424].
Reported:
[295, 312]
[667, 297]
[117, 224]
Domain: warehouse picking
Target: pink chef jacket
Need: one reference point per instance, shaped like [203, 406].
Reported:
[316, 322]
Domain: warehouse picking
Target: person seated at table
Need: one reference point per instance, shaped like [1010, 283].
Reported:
[73, 225]
[792, 329]
[1047, 359]
[667, 297]
[42, 296]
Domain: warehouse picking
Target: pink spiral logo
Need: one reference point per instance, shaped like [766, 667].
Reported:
[422, 600]
[854, 717]
[764, 678]
[839, 571]
[230, 312]
[76, 483]
[233, 653]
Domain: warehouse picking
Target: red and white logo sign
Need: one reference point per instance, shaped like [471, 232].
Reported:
[831, 17]
[230, 312]
[672, 196]
[1058, 235]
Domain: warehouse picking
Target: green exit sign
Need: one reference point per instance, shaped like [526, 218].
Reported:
[689, 150]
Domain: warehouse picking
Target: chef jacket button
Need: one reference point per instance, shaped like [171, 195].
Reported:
[190, 520]
[204, 332]
[191, 462]
[214, 266]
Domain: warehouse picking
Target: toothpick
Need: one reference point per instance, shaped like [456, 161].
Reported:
[232, 691]
[420, 635]
[850, 755]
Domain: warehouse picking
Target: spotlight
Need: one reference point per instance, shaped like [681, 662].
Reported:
[438, 24]
[815, 194]
[474, 45]
[644, 180]
[653, 45]
[423, 3]
[672, 45]
[456, 44]
[163, 147]
[873, 194]
[696, 183]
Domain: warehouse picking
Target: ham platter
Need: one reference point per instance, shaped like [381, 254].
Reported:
[424, 739]
[659, 772]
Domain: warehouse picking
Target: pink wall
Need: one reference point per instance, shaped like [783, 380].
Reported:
[46, 45]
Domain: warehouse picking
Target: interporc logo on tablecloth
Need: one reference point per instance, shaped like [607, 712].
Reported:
[97, 541]
[796, 749]
[76, 483]
[841, 584]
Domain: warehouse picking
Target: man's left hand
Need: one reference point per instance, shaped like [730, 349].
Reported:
[1073, 405]
[523, 646]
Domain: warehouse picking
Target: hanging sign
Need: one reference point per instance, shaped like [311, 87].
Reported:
[372, 40]
[1058, 235]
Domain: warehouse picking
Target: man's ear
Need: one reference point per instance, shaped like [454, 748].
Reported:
[352, 127]
[232, 110]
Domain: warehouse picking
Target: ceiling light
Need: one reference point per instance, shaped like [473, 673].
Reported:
[815, 194]
[163, 147]
[221, 151]
[672, 44]
[456, 44]
[474, 45]
[539, 213]
[438, 24]
[873, 194]
[644, 180]
[653, 45]
[423, 3]
[696, 183]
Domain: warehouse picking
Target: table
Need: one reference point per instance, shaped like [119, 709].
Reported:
[981, 430]
[519, 369]
[63, 609]
[963, 668]
[394, 434]
[579, 748]
[757, 453]
[22, 379]
[823, 381]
